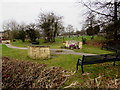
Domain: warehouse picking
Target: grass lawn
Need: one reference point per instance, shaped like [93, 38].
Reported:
[19, 43]
[106, 71]
[58, 43]
[64, 61]
[59, 40]
[93, 50]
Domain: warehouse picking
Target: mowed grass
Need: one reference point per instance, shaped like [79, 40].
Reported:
[64, 61]
[85, 48]
[93, 50]
[58, 43]
[19, 43]
[68, 62]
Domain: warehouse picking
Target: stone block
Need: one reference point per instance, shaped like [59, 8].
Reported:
[39, 52]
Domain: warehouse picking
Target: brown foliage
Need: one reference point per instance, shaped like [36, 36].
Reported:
[26, 74]
[95, 43]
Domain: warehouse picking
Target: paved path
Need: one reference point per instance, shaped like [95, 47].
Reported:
[54, 51]
[10, 46]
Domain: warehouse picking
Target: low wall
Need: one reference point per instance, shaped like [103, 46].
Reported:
[39, 52]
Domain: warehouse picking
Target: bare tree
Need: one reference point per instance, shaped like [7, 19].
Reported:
[22, 32]
[32, 33]
[7, 34]
[12, 27]
[51, 25]
[91, 25]
[107, 12]
[69, 29]
[91, 21]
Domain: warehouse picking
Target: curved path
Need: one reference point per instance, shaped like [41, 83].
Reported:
[10, 46]
[54, 51]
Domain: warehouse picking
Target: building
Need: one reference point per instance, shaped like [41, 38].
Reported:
[4, 38]
[1, 36]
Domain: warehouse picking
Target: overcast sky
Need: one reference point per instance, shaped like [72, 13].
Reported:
[28, 10]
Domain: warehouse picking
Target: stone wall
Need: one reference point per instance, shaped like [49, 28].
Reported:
[39, 52]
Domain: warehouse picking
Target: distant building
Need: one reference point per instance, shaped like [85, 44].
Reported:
[1, 36]
[4, 38]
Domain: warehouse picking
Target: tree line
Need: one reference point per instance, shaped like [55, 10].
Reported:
[47, 26]
[102, 16]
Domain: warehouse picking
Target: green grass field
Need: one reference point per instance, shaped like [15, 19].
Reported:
[59, 41]
[107, 71]
[92, 50]
[56, 60]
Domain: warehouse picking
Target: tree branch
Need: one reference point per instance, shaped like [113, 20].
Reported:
[97, 11]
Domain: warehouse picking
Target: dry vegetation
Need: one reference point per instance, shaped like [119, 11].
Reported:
[24, 74]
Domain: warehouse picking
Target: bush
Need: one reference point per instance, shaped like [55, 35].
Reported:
[84, 40]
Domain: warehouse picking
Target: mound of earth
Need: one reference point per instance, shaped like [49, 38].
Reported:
[26, 74]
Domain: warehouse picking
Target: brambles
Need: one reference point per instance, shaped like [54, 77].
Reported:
[24, 74]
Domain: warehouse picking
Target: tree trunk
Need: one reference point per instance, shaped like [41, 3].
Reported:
[115, 20]
[23, 40]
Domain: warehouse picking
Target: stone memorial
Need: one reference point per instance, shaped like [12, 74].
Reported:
[80, 45]
[38, 52]
[75, 44]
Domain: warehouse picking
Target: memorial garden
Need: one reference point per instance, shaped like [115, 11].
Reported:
[54, 52]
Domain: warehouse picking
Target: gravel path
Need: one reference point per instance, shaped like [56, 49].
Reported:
[54, 51]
